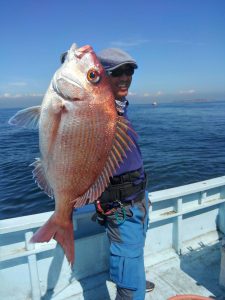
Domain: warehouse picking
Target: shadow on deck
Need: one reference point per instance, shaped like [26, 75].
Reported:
[196, 272]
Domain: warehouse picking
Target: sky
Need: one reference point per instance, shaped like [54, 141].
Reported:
[179, 45]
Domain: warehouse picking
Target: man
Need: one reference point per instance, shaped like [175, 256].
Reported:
[123, 207]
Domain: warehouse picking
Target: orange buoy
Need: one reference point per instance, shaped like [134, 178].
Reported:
[188, 297]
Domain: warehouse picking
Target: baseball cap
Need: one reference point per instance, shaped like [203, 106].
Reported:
[112, 58]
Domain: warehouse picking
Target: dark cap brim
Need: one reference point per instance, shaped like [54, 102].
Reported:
[135, 66]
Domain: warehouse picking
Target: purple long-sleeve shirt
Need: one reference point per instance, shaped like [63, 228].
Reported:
[133, 161]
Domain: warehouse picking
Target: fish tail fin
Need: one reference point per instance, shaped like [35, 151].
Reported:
[62, 233]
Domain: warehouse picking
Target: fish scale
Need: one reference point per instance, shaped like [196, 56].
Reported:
[82, 141]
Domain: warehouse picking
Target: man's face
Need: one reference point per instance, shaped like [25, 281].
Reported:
[120, 80]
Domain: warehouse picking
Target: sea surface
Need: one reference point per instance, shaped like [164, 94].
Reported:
[181, 143]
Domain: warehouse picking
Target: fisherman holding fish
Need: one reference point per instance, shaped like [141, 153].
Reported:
[89, 154]
[123, 206]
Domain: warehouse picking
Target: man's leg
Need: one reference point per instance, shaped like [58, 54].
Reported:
[139, 292]
[126, 251]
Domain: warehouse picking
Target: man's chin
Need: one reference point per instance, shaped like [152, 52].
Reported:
[122, 94]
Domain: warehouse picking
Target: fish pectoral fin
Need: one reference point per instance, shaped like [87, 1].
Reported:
[40, 177]
[28, 117]
[61, 105]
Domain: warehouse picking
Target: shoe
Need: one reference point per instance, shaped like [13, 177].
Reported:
[149, 286]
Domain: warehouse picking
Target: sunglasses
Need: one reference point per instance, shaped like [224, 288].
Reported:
[120, 71]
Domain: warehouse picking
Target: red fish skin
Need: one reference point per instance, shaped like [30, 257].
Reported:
[76, 138]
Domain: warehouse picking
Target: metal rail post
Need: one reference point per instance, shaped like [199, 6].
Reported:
[33, 269]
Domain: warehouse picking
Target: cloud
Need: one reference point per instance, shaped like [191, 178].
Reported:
[146, 95]
[159, 93]
[187, 92]
[181, 42]
[185, 42]
[132, 94]
[9, 95]
[128, 43]
[155, 94]
[18, 83]
[12, 96]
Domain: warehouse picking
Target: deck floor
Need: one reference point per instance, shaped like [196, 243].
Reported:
[196, 272]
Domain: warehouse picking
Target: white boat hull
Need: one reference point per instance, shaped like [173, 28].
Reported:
[183, 221]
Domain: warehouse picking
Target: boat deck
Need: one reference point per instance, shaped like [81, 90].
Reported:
[186, 275]
[184, 251]
[196, 272]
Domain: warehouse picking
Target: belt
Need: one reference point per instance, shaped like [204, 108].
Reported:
[138, 198]
[114, 196]
[121, 191]
[126, 177]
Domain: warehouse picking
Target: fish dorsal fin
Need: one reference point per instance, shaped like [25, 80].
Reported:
[40, 177]
[121, 143]
[74, 47]
[28, 117]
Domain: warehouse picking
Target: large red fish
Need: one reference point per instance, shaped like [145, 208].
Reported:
[82, 141]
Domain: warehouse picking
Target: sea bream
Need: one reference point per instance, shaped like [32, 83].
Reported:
[82, 141]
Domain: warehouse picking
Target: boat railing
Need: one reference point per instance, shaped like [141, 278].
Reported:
[179, 217]
[169, 204]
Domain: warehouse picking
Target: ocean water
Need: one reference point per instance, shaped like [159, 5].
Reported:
[181, 143]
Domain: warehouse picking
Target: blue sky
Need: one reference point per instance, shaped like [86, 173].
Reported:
[179, 45]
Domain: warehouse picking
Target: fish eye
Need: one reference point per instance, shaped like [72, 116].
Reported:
[93, 76]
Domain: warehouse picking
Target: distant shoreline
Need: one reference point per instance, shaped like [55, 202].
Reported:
[132, 102]
[178, 101]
